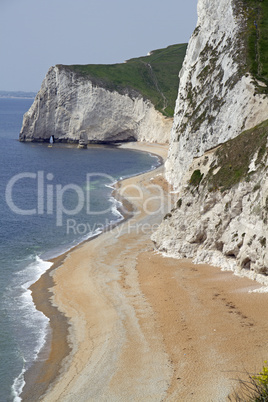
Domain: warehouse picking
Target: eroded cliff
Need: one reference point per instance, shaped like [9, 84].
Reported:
[221, 215]
[108, 103]
[218, 154]
[217, 96]
[70, 107]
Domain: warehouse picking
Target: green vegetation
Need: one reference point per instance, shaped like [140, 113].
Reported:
[196, 178]
[169, 215]
[255, 389]
[155, 76]
[234, 157]
[257, 39]
[179, 203]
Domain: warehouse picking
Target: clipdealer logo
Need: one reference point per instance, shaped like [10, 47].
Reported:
[51, 197]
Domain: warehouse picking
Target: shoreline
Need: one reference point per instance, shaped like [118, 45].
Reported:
[37, 383]
[147, 327]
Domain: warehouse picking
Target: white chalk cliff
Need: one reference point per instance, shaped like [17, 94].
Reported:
[226, 229]
[217, 100]
[72, 108]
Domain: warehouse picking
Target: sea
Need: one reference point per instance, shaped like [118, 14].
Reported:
[51, 199]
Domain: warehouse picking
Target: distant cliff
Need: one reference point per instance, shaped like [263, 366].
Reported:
[218, 154]
[98, 103]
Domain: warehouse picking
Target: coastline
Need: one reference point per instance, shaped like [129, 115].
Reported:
[146, 327]
[43, 372]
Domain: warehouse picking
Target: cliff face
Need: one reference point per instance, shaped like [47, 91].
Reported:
[221, 212]
[72, 108]
[216, 98]
[221, 218]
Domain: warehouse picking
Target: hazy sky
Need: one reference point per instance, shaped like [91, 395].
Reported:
[36, 34]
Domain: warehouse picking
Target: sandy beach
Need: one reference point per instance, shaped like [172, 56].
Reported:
[131, 325]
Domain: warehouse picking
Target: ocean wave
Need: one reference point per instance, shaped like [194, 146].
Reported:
[115, 208]
[30, 324]
[18, 386]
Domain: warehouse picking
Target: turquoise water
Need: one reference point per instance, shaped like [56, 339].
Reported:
[50, 200]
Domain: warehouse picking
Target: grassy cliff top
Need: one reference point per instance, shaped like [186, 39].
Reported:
[154, 76]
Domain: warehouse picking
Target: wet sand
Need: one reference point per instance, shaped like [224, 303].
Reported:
[42, 373]
[142, 327]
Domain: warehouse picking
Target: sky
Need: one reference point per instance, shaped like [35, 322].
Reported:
[37, 34]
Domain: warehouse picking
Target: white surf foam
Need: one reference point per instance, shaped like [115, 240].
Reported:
[32, 326]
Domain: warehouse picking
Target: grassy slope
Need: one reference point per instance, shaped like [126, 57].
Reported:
[234, 157]
[257, 39]
[137, 75]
